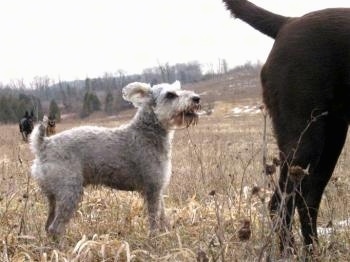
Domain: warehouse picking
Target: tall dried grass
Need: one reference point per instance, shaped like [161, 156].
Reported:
[217, 185]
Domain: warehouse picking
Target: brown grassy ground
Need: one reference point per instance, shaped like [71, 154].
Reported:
[215, 166]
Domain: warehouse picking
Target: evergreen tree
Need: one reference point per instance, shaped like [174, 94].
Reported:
[54, 111]
[109, 102]
[88, 85]
[91, 103]
[95, 102]
[13, 108]
[86, 110]
[7, 112]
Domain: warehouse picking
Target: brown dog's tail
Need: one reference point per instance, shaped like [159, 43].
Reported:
[262, 20]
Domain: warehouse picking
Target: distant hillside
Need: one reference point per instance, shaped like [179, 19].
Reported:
[84, 97]
[241, 82]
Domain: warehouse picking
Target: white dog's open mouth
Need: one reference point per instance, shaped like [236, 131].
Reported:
[188, 117]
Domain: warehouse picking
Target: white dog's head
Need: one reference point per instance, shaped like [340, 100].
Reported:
[172, 106]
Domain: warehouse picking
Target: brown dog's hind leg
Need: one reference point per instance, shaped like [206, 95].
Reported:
[312, 186]
[301, 149]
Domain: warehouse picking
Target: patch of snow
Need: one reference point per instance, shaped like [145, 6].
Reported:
[245, 110]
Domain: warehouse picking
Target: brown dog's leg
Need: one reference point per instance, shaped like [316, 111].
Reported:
[282, 206]
[302, 148]
[313, 185]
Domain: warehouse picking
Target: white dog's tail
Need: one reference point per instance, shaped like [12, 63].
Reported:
[37, 137]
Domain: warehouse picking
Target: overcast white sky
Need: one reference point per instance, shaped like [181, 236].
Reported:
[75, 39]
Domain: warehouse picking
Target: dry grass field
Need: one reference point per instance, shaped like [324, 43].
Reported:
[216, 166]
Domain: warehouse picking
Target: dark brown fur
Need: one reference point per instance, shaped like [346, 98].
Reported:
[306, 88]
[26, 125]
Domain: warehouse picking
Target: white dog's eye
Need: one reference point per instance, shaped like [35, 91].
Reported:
[170, 95]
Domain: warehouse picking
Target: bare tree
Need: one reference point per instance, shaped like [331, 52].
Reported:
[121, 80]
[17, 84]
[41, 85]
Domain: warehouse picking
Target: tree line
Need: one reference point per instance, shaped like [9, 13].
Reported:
[83, 97]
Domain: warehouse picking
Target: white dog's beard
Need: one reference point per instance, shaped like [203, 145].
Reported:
[186, 118]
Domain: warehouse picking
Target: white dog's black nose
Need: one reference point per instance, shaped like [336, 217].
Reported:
[196, 99]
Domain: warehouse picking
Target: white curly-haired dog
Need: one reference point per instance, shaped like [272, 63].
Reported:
[134, 157]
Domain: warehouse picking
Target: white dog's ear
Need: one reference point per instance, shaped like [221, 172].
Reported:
[176, 84]
[137, 93]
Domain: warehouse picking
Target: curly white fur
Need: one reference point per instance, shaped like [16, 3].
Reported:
[132, 157]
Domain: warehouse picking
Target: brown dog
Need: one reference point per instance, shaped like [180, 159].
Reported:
[51, 127]
[306, 88]
[50, 123]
